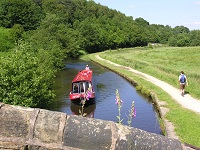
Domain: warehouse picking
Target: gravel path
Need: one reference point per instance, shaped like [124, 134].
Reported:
[187, 101]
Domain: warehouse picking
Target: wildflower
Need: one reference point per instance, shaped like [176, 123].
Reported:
[133, 110]
[119, 103]
[88, 94]
[85, 97]
[117, 99]
[132, 113]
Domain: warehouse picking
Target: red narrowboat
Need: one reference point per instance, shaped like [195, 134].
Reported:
[81, 84]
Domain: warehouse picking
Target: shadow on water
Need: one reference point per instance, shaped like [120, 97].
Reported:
[105, 83]
[87, 111]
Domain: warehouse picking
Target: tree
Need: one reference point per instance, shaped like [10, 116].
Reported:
[23, 12]
[194, 38]
[6, 39]
[141, 22]
[181, 29]
[26, 78]
[17, 32]
[182, 40]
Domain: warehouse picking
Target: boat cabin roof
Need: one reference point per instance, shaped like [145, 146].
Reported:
[83, 75]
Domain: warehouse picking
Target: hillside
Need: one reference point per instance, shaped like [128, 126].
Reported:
[40, 34]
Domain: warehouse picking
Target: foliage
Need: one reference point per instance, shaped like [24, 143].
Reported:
[141, 22]
[89, 27]
[23, 12]
[26, 78]
[180, 40]
[181, 29]
[80, 25]
[17, 33]
[6, 40]
[194, 37]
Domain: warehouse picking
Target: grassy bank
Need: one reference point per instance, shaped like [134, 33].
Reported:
[165, 64]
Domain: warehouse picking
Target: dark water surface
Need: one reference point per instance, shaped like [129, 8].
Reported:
[105, 83]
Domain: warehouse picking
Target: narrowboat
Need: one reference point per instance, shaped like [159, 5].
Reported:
[81, 83]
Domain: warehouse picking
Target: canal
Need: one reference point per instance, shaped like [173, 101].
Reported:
[104, 107]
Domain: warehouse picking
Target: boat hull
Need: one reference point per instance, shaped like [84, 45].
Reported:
[77, 96]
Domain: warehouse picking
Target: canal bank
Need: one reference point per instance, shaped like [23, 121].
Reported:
[170, 97]
[166, 126]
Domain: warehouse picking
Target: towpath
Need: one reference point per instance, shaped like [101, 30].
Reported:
[187, 101]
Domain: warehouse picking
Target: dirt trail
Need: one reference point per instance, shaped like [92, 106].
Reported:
[187, 101]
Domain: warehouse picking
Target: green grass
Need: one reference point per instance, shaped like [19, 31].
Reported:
[164, 63]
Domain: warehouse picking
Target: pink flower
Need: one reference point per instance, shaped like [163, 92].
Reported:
[88, 95]
[118, 100]
[134, 113]
[133, 110]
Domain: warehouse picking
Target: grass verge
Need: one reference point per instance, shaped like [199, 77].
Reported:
[186, 122]
[164, 63]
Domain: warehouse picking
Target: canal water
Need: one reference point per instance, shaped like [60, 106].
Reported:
[104, 107]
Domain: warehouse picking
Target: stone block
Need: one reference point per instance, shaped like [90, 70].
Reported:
[87, 133]
[133, 138]
[15, 121]
[49, 126]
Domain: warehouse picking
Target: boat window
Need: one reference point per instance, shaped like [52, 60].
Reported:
[82, 87]
[87, 85]
[75, 88]
[90, 85]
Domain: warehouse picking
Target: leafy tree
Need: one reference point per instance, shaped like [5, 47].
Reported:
[90, 31]
[179, 40]
[6, 40]
[17, 32]
[161, 33]
[172, 41]
[58, 39]
[182, 40]
[26, 78]
[140, 21]
[194, 38]
[23, 12]
[181, 29]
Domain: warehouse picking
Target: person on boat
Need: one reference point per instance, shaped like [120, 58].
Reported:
[182, 81]
[75, 89]
[87, 67]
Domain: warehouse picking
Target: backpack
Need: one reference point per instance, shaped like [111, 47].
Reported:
[182, 79]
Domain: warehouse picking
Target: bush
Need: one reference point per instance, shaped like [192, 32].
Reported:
[6, 40]
[26, 78]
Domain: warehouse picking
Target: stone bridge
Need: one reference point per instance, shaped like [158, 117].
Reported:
[39, 129]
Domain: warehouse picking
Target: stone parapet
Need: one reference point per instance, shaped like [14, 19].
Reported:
[29, 128]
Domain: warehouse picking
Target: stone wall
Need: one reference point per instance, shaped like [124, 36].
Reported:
[28, 128]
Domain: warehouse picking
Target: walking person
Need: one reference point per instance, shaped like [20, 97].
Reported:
[182, 81]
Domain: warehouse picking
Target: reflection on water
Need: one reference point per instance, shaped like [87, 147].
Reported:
[105, 84]
[87, 111]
